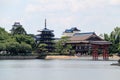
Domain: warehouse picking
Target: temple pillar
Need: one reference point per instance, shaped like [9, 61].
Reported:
[95, 52]
[105, 53]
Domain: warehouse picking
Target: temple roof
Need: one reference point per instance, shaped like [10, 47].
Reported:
[17, 24]
[89, 37]
[84, 36]
[71, 30]
[92, 42]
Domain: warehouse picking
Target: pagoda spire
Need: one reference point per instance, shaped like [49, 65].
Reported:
[45, 24]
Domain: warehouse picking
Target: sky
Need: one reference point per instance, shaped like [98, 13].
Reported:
[99, 16]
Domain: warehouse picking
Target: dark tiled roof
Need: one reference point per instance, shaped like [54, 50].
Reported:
[91, 42]
[85, 38]
[17, 24]
[71, 30]
[84, 34]
[78, 42]
[76, 38]
[81, 36]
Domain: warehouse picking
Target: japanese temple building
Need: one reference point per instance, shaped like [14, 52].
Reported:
[86, 43]
[46, 36]
[71, 32]
[17, 26]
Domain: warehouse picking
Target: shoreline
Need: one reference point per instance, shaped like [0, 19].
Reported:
[114, 58]
[59, 57]
[17, 57]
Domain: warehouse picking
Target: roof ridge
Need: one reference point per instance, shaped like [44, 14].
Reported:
[86, 32]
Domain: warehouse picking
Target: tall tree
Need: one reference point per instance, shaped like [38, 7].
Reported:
[4, 35]
[24, 39]
[62, 48]
[114, 37]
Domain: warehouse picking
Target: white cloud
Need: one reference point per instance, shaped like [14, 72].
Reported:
[115, 2]
[72, 5]
[43, 8]
[66, 21]
[8, 2]
[68, 8]
[46, 6]
[60, 13]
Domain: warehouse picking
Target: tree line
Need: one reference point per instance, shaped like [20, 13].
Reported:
[18, 42]
[114, 37]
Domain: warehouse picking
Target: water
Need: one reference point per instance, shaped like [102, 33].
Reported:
[58, 70]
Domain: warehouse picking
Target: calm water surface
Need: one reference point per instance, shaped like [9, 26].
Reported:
[58, 70]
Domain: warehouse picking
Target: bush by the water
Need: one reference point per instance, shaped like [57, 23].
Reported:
[14, 48]
[17, 44]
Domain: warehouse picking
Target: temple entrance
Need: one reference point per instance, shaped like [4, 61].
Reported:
[103, 49]
[89, 44]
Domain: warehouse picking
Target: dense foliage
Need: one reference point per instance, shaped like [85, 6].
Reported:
[62, 48]
[114, 37]
[17, 44]
[41, 49]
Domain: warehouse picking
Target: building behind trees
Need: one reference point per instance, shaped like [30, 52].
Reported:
[17, 29]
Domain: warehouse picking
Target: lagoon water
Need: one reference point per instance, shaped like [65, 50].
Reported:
[58, 70]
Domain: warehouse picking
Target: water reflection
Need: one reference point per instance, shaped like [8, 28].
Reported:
[58, 70]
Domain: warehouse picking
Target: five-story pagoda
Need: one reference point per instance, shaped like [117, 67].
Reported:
[46, 36]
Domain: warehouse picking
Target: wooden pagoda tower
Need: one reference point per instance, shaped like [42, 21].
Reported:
[46, 36]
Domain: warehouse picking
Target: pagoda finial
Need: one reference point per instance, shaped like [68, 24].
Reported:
[45, 23]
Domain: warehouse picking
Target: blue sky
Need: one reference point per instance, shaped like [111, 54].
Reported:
[100, 16]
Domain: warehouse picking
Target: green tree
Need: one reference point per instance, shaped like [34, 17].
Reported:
[12, 48]
[119, 48]
[63, 48]
[25, 39]
[42, 51]
[67, 50]
[42, 48]
[114, 37]
[17, 44]
[2, 48]
[59, 47]
[4, 35]
[25, 49]
[106, 37]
